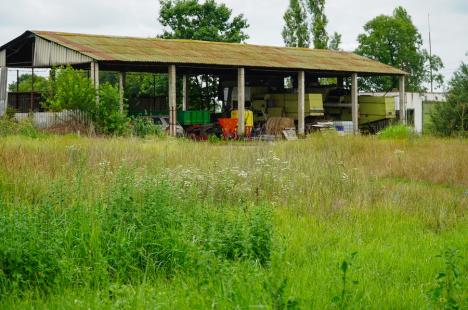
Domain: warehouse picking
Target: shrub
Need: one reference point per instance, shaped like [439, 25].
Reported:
[144, 126]
[398, 131]
[72, 90]
[107, 114]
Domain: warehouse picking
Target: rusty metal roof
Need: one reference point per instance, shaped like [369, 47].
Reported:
[130, 49]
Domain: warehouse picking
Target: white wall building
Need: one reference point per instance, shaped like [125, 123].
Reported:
[414, 105]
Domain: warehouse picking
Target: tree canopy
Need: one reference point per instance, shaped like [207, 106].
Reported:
[305, 21]
[207, 21]
[25, 84]
[452, 117]
[319, 23]
[395, 41]
[296, 30]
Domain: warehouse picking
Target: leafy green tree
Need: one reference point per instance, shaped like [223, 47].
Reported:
[296, 30]
[395, 41]
[25, 84]
[207, 21]
[319, 23]
[71, 89]
[335, 41]
[452, 117]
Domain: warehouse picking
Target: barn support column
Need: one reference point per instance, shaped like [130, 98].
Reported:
[402, 100]
[94, 74]
[172, 101]
[301, 96]
[184, 92]
[355, 103]
[241, 101]
[121, 90]
[3, 89]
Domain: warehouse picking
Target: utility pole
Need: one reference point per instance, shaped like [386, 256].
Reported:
[430, 52]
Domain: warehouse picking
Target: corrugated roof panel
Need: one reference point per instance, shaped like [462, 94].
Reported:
[47, 53]
[127, 49]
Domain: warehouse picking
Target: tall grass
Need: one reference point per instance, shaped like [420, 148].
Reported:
[129, 223]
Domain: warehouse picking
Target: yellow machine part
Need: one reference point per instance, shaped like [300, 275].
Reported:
[249, 117]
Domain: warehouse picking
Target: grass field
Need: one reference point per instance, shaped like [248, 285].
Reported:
[325, 223]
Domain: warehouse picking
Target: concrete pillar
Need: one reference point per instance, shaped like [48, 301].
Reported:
[121, 90]
[172, 101]
[301, 96]
[241, 101]
[184, 92]
[355, 103]
[3, 90]
[94, 74]
[402, 100]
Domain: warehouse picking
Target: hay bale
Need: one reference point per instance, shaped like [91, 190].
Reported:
[276, 125]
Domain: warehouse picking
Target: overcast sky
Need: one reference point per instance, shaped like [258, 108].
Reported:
[449, 20]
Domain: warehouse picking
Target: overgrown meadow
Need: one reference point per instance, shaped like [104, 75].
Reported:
[325, 223]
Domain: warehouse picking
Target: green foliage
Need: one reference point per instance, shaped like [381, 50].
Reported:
[335, 41]
[107, 114]
[398, 131]
[137, 230]
[207, 21]
[70, 90]
[144, 126]
[25, 127]
[449, 283]
[319, 23]
[451, 117]
[342, 300]
[296, 28]
[41, 84]
[395, 41]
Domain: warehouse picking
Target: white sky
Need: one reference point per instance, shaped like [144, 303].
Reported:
[449, 20]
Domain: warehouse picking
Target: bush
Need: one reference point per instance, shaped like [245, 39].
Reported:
[72, 90]
[144, 126]
[398, 131]
[452, 117]
[106, 114]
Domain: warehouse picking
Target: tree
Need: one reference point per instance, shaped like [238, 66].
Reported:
[207, 21]
[319, 23]
[296, 31]
[335, 41]
[25, 84]
[395, 41]
[452, 117]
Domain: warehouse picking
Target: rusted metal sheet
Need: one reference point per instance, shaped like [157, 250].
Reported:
[48, 54]
[127, 49]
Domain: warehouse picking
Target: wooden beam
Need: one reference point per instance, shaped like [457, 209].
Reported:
[355, 103]
[184, 92]
[241, 101]
[301, 96]
[402, 100]
[172, 101]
